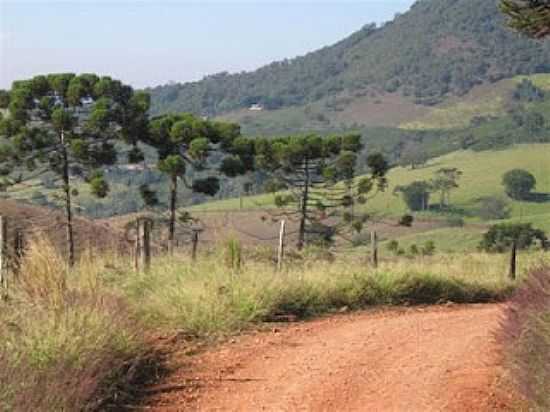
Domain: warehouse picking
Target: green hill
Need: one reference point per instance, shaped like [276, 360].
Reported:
[438, 50]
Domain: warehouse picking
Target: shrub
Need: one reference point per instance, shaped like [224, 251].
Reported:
[493, 208]
[518, 183]
[429, 248]
[526, 334]
[393, 246]
[455, 221]
[413, 250]
[406, 220]
[500, 237]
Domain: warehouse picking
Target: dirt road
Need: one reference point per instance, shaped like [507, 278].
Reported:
[421, 359]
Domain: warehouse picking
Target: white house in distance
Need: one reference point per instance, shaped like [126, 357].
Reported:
[256, 107]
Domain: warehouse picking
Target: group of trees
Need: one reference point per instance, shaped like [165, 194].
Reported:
[417, 194]
[71, 127]
[68, 125]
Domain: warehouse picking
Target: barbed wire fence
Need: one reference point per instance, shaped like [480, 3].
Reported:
[141, 238]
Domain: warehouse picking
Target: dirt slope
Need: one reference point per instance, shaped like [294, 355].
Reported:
[33, 220]
[422, 359]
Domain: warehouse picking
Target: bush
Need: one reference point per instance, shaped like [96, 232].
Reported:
[500, 237]
[518, 184]
[493, 208]
[406, 220]
[429, 248]
[455, 221]
[526, 335]
[393, 246]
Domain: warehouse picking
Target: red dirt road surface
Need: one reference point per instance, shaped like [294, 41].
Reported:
[416, 359]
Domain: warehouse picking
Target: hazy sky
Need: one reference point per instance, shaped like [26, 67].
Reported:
[146, 43]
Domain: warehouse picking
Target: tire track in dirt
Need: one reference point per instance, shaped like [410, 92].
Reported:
[418, 359]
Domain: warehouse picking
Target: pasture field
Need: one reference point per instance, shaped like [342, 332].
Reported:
[482, 174]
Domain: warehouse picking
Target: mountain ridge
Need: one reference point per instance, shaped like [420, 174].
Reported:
[437, 50]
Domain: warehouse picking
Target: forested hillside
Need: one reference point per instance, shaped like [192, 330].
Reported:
[438, 49]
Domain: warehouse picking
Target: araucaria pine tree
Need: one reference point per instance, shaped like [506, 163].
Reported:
[531, 17]
[68, 125]
[185, 143]
[318, 178]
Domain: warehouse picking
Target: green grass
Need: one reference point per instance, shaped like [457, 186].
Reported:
[446, 240]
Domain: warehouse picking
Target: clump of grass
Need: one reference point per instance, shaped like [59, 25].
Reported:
[233, 254]
[526, 334]
[66, 343]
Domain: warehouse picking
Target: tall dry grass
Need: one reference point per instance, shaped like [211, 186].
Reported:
[67, 342]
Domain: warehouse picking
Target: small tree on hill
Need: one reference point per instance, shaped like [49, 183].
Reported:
[445, 181]
[185, 143]
[68, 125]
[416, 195]
[308, 167]
[518, 183]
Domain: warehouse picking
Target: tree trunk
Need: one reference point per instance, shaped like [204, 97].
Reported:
[173, 199]
[68, 204]
[303, 207]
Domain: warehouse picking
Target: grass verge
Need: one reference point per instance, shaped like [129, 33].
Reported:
[207, 297]
[67, 343]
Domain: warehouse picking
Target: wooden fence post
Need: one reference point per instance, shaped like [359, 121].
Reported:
[145, 242]
[374, 248]
[19, 249]
[137, 245]
[281, 250]
[195, 242]
[513, 261]
[3, 257]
